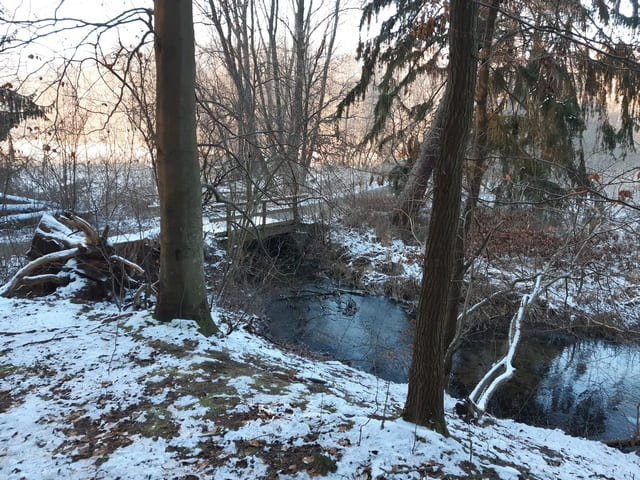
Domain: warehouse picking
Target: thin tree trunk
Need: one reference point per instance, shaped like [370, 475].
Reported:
[425, 399]
[297, 107]
[412, 196]
[181, 292]
[477, 164]
[312, 138]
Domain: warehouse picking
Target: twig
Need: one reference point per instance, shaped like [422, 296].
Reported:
[39, 342]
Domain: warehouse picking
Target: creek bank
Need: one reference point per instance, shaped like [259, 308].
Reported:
[582, 386]
[327, 300]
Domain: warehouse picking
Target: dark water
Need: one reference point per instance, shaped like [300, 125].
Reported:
[367, 332]
[587, 388]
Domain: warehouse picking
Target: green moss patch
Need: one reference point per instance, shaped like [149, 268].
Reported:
[99, 438]
[179, 351]
[8, 400]
[157, 422]
[7, 370]
[286, 459]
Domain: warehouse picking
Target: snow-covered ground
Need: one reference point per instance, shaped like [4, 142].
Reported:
[87, 391]
[90, 391]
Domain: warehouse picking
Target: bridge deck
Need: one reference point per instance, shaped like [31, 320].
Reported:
[270, 218]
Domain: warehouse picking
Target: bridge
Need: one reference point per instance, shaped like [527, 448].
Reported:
[246, 221]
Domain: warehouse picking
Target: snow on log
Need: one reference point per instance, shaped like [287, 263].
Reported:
[14, 199]
[20, 219]
[47, 278]
[52, 235]
[66, 247]
[10, 288]
[21, 211]
[502, 370]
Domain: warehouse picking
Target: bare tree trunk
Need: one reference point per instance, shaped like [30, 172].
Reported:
[297, 108]
[314, 113]
[476, 166]
[412, 196]
[425, 399]
[181, 292]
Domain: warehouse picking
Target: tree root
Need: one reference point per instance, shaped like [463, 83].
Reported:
[67, 247]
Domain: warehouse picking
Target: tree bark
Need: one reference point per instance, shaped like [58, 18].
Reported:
[412, 196]
[181, 292]
[297, 108]
[476, 166]
[425, 399]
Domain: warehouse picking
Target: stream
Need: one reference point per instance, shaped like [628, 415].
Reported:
[589, 388]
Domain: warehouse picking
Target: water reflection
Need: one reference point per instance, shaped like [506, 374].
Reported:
[367, 332]
[588, 388]
[593, 387]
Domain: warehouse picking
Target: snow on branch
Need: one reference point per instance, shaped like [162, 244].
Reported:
[54, 229]
[504, 369]
[65, 247]
[128, 263]
[10, 287]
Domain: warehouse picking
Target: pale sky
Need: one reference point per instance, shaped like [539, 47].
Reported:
[34, 59]
[89, 11]
[100, 10]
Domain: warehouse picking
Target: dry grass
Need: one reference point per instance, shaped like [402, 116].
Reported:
[375, 209]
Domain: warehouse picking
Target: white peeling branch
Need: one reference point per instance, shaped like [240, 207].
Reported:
[127, 263]
[504, 369]
[73, 221]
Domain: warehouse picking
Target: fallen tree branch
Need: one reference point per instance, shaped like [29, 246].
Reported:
[73, 221]
[503, 370]
[66, 247]
[50, 278]
[10, 287]
[127, 263]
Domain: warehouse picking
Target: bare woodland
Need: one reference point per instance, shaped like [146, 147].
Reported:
[498, 137]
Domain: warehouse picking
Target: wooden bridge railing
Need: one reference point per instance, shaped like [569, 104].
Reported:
[287, 207]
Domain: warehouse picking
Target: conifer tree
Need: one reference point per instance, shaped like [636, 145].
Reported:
[546, 77]
[15, 108]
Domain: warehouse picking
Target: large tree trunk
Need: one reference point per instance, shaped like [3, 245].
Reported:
[425, 399]
[181, 292]
[476, 166]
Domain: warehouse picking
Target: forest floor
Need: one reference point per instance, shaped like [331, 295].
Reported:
[88, 390]
[91, 390]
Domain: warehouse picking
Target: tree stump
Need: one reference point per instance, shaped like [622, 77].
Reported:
[67, 248]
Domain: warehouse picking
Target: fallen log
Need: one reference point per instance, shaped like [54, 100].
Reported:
[67, 248]
[10, 289]
[21, 211]
[626, 444]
